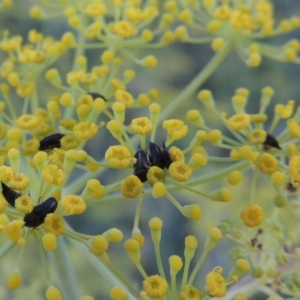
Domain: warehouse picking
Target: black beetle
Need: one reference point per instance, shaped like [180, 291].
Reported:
[39, 213]
[50, 142]
[96, 95]
[142, 164]
[270, 141]
[159, 157]
[9, 194]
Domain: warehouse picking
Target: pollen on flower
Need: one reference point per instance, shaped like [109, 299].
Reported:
[175, 128]
[118, 156]
[155, 175]
[113, 235]
[257, 136]
[25, 89]
[252, 216]
[176, 263]
[85, 130]
[14, 229]
[215, 283]
[239, 121]
[53, 293]
[158, 190]
[150, 61]
[19, 182]
[24, 204]
[95, 10]
[54, 224]
[285, 111]
[222, 195]
[124, 97]
[6, 173]
[278, 178]
[53, 175]
[193, 211]
[180, 172]
[117, 293]
[124, 29]
[218, 44]
[234, 177]
[31, 147]
[98, 244]
[28, 122]
[131, 186]
[141, 126]
[155, 286]
[73, 204]
[14, 280]
[267, 163]
[49, 241]
[190, 293]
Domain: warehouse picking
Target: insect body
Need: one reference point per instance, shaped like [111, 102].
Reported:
[50, 142]
[96, 95]
[9, 194]
[270, 141]
[157, 157]
[39, 213]
[140, 168]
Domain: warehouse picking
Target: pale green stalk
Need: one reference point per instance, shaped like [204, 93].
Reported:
[195, 84]
[64, 272]
[105, 272]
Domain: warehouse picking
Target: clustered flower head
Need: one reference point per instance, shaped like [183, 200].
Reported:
[47, 171]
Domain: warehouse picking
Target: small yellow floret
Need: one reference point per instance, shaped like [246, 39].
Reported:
[278, 178]
[155, 286]
[267, 163]
[234, 177]
[19, 182]
[131, 186]
[190, 293]
[73, 204]
[252, 216]
[53, 293]
[215, 284]
[49, 241]
[193, 211]
[24, 204]
[180, 172]
[150, 61]
[218, 44]
[239, 122]
[85, 130]
[124, 29]
[54, 224]
[28, 122]
[141, 126]
[159, 190]
[176, 263]
[176, 129]
[14, 280]
[118, 156]
[257, 136]
[124, 97]
[98, 244]
[117, 293]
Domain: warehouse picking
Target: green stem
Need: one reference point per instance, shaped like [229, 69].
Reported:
[60, 260]
[196, 82]
[105, 271]
[198, 266]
